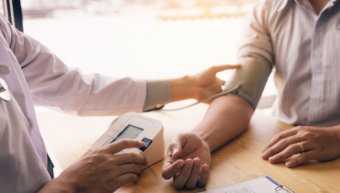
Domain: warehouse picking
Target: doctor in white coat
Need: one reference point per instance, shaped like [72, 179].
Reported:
[30, 74]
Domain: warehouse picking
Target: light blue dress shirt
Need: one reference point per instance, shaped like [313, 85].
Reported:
[304, 49]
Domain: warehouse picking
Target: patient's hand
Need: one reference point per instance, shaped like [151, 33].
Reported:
[307, 142]
[187, 161]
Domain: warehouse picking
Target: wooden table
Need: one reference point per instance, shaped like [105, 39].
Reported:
[68, 137]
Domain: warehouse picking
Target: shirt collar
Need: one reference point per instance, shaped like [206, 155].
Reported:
[284, 3]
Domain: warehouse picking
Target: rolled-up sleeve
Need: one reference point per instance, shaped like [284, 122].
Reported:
[256, 41]
[255, 54]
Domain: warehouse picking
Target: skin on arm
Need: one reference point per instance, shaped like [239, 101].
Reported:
[188, 157]
[229, 115]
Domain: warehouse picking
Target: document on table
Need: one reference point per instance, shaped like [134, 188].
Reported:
[259, 185]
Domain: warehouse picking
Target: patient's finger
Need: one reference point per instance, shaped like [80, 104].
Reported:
[171, 169]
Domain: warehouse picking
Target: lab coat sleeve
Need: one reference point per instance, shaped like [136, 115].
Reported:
[53, 84]
[21, 169]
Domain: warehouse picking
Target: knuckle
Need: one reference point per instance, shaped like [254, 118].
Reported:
[306, 134]
[278, 137]
[98, 157]
[285, 142]
[137, 169]
[124, 143]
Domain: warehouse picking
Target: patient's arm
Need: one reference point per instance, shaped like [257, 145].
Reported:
[188, 157]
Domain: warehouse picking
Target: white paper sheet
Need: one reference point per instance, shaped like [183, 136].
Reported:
[259, 185]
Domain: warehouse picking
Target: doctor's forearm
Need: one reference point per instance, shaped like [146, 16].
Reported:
[226, 118]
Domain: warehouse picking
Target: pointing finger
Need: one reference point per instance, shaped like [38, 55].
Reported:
[220, 68]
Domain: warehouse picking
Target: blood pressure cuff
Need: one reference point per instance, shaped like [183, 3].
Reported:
[249, 81]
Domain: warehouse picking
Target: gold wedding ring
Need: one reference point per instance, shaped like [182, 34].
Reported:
[301, 147]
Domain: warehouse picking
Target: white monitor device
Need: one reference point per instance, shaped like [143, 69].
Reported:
[136, 126]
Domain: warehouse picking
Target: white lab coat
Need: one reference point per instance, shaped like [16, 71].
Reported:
[35, 76]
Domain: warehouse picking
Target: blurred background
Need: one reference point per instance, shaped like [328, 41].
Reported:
[149, 39]
[152, 39]
[139, 38]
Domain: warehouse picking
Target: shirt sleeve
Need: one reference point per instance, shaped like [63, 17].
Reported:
[53, 84]
[158, 93]
[255, 54]
[256, 40]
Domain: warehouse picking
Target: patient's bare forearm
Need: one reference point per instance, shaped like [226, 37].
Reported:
[226, 118]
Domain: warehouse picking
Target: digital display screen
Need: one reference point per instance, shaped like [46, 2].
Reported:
[129, 132]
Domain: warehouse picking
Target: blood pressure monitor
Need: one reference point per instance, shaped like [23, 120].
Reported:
[135, 126]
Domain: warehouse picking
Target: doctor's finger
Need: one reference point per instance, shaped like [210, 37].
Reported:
[129, 168]
[216, 86]
[126, 179]
[281, 136]
[182, 177]
[220, 68]
[121, 145]
[127, 158]
[279, 146]
[171, 169]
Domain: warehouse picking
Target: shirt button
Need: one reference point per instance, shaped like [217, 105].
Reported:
[4, 70]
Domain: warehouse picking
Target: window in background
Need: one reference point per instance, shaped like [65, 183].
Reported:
[129, 37]
[139, 38]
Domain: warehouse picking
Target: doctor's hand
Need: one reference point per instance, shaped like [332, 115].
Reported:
[207, 83]
[199, 86]
[187, 162]
[102, 170]
[299, 145]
